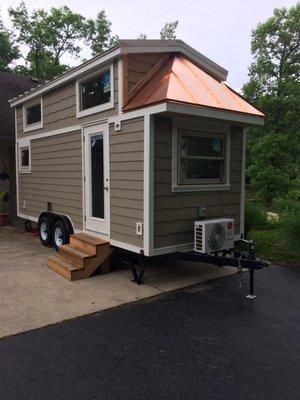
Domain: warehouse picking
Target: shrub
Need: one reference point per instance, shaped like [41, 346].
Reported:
[255, 216]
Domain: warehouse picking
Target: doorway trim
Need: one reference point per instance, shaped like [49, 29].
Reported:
[87, 131]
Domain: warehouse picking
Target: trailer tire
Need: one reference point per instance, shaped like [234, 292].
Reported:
[60, 234]
[45, 231]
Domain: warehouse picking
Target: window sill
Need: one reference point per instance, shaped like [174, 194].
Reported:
[25, 171]
[33, 127]
[201, 188]
[95, 110]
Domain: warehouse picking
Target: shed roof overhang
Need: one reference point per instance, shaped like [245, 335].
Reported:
[125, 47]
[185, 87]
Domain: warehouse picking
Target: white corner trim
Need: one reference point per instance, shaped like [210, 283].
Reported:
[17, 162]
[147, 185]
[68, 76]
[37, 125]
[243, 192]
[120, 86]
[125, 246]
[102, 107]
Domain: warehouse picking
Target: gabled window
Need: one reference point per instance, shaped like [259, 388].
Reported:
[33, 115]
[95, 93]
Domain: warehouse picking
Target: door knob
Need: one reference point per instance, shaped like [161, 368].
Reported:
[106, 188]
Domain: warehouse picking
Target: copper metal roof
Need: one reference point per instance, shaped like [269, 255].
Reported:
[182, 81]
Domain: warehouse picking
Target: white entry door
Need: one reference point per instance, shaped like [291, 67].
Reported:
[96, 146]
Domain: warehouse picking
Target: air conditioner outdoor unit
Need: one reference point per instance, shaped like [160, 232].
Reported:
[214, 235]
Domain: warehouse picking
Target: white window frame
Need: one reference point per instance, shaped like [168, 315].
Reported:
[37, 125]
[201, 186]
[24, 169]
[101, 107]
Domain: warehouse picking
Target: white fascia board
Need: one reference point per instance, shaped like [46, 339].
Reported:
[169, 46]
[207, 112]
[72, 74]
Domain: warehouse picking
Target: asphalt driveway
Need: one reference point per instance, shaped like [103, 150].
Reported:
[203, 342]
[33, 296]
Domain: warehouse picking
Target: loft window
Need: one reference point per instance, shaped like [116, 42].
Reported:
[33, 114]
[201, 158]
[96, 90]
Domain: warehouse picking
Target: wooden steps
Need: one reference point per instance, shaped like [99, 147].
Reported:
[81, 257]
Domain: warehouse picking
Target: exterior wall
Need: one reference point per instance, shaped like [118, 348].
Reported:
[175, 213]
[138, 65]
[127, 180]
[59, 108]
[56, 177]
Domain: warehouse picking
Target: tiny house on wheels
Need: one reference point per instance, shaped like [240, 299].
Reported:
[140, 148]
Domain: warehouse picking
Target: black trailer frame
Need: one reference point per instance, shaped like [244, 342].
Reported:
[240, 260]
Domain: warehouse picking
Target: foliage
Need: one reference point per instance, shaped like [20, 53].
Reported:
[274, 87]
[169, 30]
[48, 36]
[9, 51]
[278, 240]
[99, 34]
[255, 216]
[142, 36]
[271, 165]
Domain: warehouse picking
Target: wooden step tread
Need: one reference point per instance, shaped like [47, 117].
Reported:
[63, 263]
[90, 239]
[72, 250]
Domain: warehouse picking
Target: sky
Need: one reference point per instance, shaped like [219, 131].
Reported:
[219, 29]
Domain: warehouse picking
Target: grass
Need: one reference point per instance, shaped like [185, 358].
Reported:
[276, 241]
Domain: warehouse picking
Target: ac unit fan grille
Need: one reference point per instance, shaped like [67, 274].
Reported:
[216, 236]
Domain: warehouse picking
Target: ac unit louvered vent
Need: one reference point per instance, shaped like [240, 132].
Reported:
[198, 237]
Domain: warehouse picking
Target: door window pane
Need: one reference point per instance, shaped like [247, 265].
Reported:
[97, 176]
[96, 90]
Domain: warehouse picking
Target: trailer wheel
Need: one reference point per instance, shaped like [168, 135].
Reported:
[44, 228]
[60, 234]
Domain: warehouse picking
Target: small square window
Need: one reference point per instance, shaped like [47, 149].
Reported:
[24, 159]
[200, 158]
[33, 114]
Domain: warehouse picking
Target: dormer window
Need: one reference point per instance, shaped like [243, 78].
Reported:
[33, 115]
[95, 93]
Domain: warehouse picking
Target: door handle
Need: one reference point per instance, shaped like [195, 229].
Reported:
[106, 188]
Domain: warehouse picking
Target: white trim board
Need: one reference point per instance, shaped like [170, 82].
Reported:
[67, 76]
[243, 190]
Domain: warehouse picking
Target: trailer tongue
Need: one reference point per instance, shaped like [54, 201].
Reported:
[240, 260]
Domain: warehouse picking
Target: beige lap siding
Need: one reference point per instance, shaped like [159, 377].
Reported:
[126, 181]
[56, 177]
[59, 108]
[175, 213]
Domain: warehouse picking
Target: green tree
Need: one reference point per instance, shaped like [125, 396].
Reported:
[169, 30]
[274, 87]
[142, 36]
[99, 36]
[48, 36]
[9, 51]
[270, 171]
